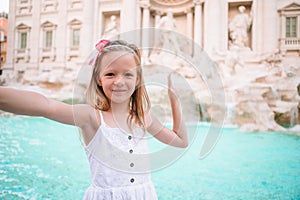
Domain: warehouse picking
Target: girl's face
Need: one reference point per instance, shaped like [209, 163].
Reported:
[118, 76]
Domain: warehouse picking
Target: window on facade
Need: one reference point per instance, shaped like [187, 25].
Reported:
[291, 27]
[22, 35]
[76, 37]
[74, 34]
[23, 40]
[48, 39]
[48, 30]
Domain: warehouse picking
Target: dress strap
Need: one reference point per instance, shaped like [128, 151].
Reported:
[101, 117]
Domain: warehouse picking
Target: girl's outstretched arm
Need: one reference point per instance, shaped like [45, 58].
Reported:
[34, 104]
[178, 135]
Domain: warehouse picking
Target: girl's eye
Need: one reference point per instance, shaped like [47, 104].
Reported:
[109, 74]
[129, 75]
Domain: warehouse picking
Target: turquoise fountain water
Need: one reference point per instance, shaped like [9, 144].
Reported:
[41, 159]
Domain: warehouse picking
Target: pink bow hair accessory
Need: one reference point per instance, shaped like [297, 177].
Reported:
[99, 46]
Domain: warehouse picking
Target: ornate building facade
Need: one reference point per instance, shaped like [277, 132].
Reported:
[56, 37]
[3, 39]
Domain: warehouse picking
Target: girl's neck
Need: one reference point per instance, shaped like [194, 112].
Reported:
[119, 117]
[119, 109]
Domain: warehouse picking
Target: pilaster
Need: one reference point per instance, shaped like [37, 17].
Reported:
[12, 36]
[198, 23]
[128, 15]
[87, 29]
[189, 19]
[270, 25]
[258, 26]
[212, 28]
[145, 30]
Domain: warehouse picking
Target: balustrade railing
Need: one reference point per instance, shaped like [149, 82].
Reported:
[290, 43]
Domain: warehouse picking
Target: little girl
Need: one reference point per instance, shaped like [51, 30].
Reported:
[113, 124]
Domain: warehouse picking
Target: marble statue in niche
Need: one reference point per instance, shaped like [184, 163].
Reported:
[111, 28]
[239, 28]
[168, 39]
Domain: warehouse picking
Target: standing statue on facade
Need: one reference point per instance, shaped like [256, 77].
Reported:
[239, 28]
[169, 36]
[111, 29]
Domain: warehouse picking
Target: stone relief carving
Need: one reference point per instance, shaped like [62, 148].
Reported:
[239, 28]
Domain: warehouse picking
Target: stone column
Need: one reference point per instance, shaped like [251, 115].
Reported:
[257, 26]
[224, 26]
[139, 26]
[139, 17]
[270, 25]
[101, 23]
[146, 15]
[145, 31]
[128, 15]
[189, 17]
[97, 24]
[34, 43]
[197, 23]
[86, 38]
[11, 40]
[60, 33]
[189, 33]
[282, 29]
[213, 36]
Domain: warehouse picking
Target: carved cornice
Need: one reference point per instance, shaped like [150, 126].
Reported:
[197, 2]
[177, 6]
[171, 2]
[145, 5]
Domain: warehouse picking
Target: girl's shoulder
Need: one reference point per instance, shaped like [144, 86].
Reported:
[83, 109]
[85, 114]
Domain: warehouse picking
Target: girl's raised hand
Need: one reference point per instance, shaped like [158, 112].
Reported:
[178, 135]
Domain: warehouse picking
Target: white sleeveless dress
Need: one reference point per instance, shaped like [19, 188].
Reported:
[119, 165]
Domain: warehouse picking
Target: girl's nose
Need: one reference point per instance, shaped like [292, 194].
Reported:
[119, 80]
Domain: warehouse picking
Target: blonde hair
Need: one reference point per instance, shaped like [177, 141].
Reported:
[139, 100]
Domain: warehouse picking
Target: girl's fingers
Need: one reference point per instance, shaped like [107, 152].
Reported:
[170, 84]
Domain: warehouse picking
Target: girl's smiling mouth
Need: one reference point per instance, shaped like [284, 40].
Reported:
[119, 90]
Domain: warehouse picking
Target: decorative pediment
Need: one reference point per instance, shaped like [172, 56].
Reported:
[23, 26]
[75, 22]
[48, 24]
[291, 7]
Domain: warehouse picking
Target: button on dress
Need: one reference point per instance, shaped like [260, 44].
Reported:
[119, 165]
